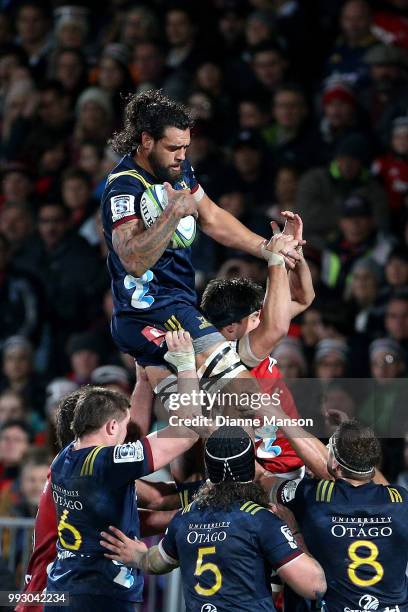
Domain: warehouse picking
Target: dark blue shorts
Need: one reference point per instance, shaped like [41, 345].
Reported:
[142, 336]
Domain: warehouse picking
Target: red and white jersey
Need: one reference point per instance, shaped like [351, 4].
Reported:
[44, 547]
[276, 454]
[394, 174]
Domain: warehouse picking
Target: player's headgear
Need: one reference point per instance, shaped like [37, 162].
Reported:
[347, 446]
[230, 456]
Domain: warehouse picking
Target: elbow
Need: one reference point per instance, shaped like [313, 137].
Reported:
[317, 584]
[310, 298]
[136, 269]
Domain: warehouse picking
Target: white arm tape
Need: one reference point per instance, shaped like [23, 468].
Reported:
[199, 194]
[181, 361]
[273, 259]
[246, 354]
[165, 556]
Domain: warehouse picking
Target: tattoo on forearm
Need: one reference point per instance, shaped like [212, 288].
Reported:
[139, 251]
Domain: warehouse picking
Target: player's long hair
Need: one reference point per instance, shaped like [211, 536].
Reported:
[149, 112]
[224, 494]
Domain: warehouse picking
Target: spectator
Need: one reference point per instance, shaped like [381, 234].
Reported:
[21, 498]
[337, 405]
[94, 116]
[20, 302]
[182, 55]
[322, 190]
[138, 25]
[390, 22]
[387, 84]
[331, 359]
[286, 186]
[70, 272]
[69, 69]
[33, 34]
[358, 237]
[55, 391]
[111, 377]
[76, 189]
[289, 137]
[362, 294]
[339, 117]
[291, 359]
[253, 113]
[113, 75]
[347, 58]
[15, 437]
[396, 320]
[11, 406]
[17, 184]
[84, 351]
[269, 68]
[18, 372]
[396, 273]
[148, 64]
[392, 168]
[71, 29]
[17, 225]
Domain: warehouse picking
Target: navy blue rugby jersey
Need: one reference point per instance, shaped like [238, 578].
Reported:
[226, 557]
[93, 488]
[359, 535]
[172, 277]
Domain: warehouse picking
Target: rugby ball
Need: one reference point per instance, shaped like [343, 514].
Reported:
[152, 204]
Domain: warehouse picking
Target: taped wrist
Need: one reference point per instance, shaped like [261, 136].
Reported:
[273, 259]
[181, 361]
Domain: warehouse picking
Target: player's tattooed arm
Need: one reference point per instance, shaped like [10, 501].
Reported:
[135, 553]
[139, 248]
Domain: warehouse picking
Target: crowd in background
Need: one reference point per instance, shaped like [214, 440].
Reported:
[299, 104]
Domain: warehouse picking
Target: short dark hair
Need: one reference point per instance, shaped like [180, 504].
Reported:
[64, 415]
[97, 406]
[21, 425]
[225, 299]
[150, 112]
[76, 173]
[357, 447]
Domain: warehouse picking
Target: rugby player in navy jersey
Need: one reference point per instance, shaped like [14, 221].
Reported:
[227, 541]
[355, 528]
[92, 485]
[152, 283]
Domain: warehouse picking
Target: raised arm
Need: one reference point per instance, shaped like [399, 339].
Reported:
[300, 279]
[172, 441]
[275, 317]
[226, 229]
[139, 248]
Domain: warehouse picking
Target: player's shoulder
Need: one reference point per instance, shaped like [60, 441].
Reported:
[126, 176]
[395, 494]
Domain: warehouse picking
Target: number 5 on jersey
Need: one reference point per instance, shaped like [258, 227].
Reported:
[207, 567]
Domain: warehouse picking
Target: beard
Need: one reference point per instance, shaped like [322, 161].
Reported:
[163, 173]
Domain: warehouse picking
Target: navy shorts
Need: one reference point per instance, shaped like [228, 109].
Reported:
[142, 336]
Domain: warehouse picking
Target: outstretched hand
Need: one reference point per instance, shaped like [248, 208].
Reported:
[293, 226]
[122, 549]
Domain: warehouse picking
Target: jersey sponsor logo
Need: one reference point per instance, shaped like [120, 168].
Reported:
[272, 362]
[288, 535]
[126, 453]
[362, 527]
[369, 602]
[152, 334]
[208, 607]
[122, 206]
[204, 323]
[194, 537]
[288, 490]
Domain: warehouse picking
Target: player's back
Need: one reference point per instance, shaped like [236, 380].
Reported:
[93, 488]
[359, 534]
[227, 556]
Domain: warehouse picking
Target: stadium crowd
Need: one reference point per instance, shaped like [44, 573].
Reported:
[299, 105]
